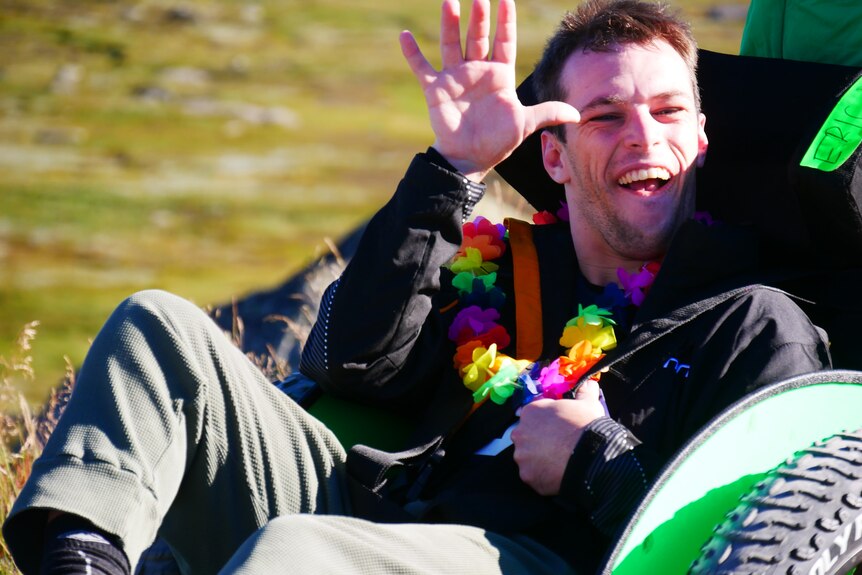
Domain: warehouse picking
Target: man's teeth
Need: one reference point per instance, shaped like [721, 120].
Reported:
[644, 174]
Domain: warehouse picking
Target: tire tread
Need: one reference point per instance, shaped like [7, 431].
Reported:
[792, 515]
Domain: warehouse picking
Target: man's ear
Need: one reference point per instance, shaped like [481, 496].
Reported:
[553, 157]
[702, 142]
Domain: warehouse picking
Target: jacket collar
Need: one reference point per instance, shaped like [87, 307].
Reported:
[702, 261]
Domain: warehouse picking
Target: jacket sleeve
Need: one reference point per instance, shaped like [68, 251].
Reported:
[762, 339]
[378, 336]
[608, 473]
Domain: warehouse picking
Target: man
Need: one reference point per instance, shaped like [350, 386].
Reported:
[172, 429]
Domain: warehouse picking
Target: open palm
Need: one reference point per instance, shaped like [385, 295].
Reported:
[474, 110]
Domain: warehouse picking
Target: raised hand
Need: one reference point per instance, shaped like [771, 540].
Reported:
[475, 113]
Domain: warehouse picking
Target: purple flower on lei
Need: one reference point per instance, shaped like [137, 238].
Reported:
[478, 321]
[634, 284]
[563, 212]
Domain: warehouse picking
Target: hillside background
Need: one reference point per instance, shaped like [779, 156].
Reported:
[209, 148]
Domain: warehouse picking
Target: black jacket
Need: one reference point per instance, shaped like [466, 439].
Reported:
[707, 334]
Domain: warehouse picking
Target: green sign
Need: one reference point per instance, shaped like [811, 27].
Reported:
[840, 135]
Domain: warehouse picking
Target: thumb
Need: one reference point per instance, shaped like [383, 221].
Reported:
[553, 113]
[420, 66]
[588, 390]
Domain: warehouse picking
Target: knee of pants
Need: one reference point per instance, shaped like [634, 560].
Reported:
[159, 317]
[306, 540]
[287, 539]
[155, 303]
[295, 531]
[151, 335]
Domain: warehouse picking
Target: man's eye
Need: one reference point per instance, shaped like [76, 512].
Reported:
[668, 111]
[605, 118]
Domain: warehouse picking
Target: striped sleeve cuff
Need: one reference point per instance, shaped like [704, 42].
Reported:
[604, 476]
[474, 191]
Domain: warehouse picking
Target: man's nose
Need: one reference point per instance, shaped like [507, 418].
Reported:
[642, 129]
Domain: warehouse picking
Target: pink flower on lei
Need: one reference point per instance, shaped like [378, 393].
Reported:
[552, 384]
[483, 227]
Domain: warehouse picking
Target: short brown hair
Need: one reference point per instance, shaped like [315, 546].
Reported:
[600, 26]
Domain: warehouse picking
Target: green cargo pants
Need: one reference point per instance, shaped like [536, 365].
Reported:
[171, 430]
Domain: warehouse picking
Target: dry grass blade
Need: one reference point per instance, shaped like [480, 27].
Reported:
[20, 440]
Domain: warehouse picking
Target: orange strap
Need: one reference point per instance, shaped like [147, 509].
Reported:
[528, 293]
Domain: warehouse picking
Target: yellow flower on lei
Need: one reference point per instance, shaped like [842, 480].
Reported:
[599, 336]
[482, 367]
[472, 262]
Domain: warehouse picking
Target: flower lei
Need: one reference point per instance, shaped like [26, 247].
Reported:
[491, 374]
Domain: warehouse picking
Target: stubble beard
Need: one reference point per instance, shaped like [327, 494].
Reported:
[625, 238]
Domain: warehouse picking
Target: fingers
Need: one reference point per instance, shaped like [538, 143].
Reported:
[478, 31]
[450, 33]
[550, 114]
[420, 66]
[593, 403]
[506, 37]
[478, 43]
[589, 390]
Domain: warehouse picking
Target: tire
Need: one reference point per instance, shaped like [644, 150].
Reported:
[803, 518]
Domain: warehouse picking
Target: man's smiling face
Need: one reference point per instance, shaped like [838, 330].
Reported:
[628, 166]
